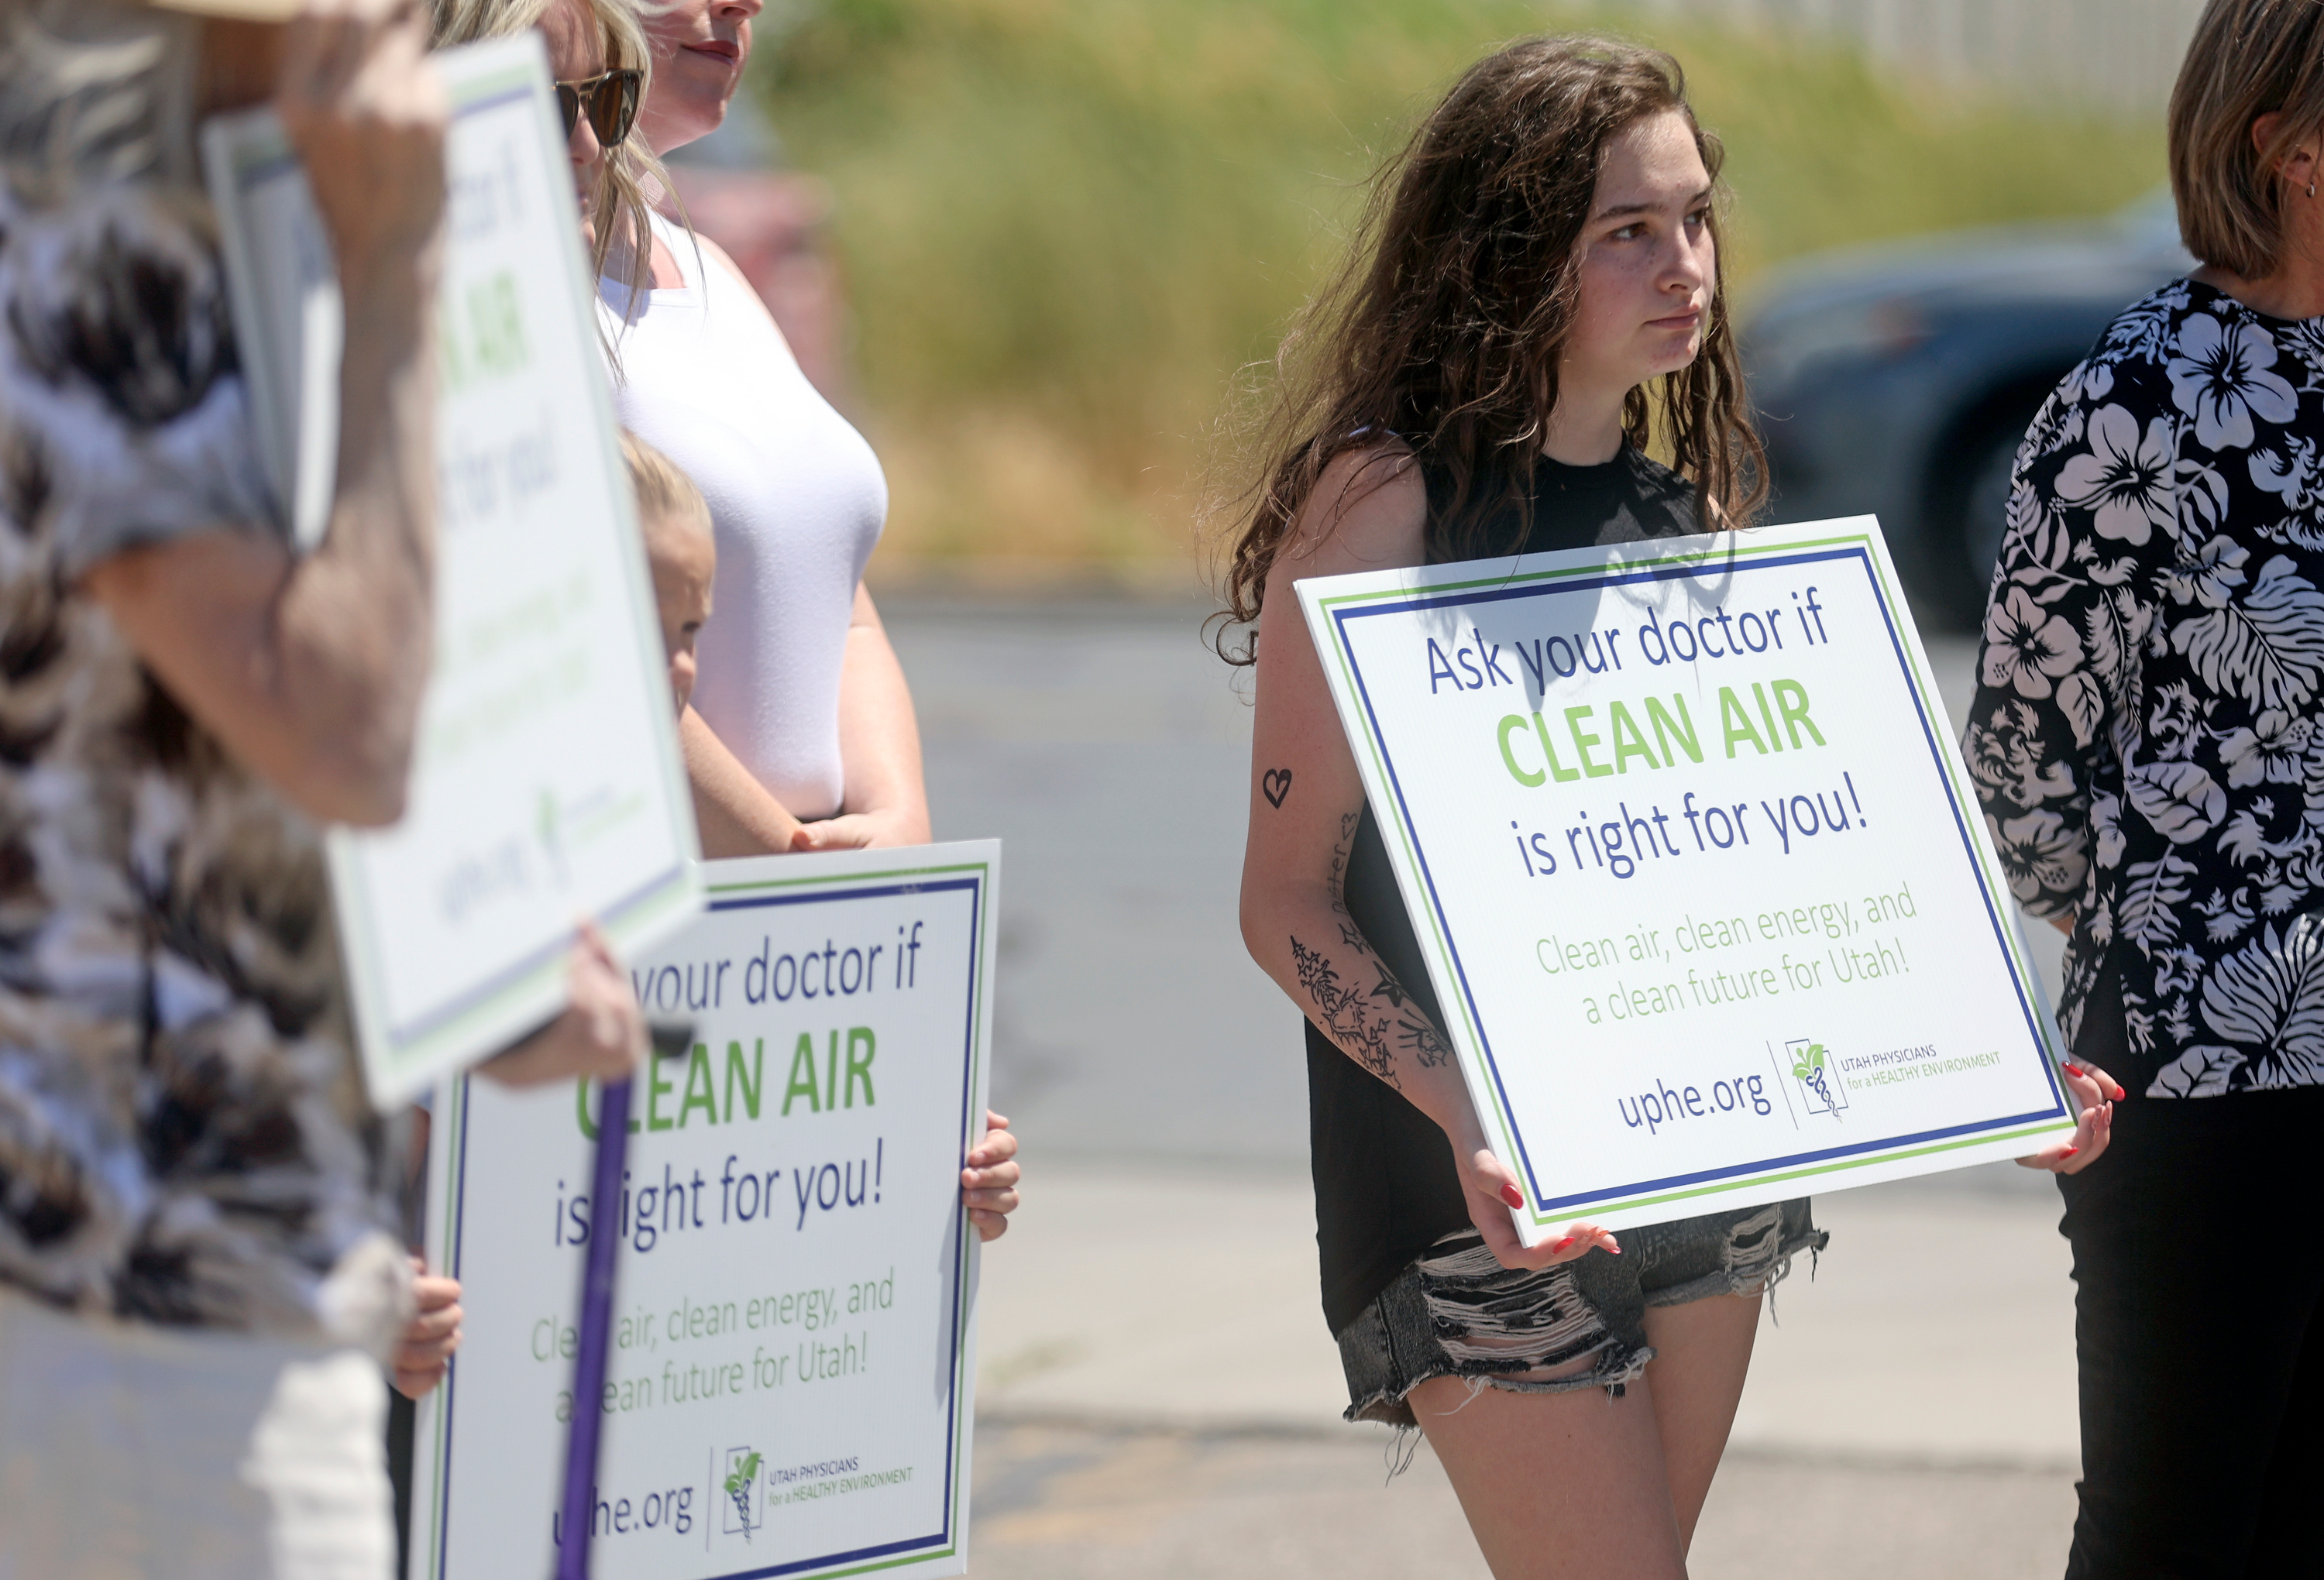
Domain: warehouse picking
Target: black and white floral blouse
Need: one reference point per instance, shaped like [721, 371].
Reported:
[183, 1136]
[2145, 737]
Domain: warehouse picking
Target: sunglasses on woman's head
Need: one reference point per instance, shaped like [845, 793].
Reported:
[610, 100]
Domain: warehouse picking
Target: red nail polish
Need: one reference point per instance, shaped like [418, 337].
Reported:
[2120, 1094]
[2070, 1152]
[1562, 1245]
[2072, 1068]
[1510, 1194]
[1612, 1249]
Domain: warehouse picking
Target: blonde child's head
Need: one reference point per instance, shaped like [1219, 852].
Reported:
[684, 555]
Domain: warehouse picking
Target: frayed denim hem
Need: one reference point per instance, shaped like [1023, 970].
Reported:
[1456, 1312]
[1460, 1313]
[1615, 1371]
[1756, 1257]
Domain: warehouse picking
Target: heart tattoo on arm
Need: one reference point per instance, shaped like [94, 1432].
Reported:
[1275, 785]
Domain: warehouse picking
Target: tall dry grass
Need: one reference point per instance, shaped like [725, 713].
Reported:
[1066, 224]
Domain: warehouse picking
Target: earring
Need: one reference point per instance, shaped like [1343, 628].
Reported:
[2312, 189]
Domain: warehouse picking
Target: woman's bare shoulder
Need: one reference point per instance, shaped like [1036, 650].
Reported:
[713, 256]
[1368, 511]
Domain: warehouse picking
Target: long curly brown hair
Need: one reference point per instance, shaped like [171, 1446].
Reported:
[1444, 326]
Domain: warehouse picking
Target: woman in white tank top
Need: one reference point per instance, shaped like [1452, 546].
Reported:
[799, 694]
[802, 705]
[801, 711]
[798, 501]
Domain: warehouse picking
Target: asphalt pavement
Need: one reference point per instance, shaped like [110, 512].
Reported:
[1159, 1394]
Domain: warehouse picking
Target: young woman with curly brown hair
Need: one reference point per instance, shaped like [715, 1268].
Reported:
[1534, 296]
[1532, 303]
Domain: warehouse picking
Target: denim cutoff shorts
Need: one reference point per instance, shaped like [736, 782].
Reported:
[1456, 1312]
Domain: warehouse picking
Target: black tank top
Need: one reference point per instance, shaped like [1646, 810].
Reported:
[1384, 1185]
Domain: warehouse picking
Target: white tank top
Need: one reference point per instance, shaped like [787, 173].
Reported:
[798, 499]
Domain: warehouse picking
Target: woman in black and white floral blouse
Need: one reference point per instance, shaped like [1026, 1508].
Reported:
[2148, 740]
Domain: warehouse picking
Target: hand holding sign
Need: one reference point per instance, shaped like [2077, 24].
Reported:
[599, 1035]
[988, 1182]
[1493, 1193]
[424, 1350]
[2093, 1091]
[367, 116]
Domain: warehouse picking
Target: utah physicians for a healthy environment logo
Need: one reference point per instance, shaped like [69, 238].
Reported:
[746, 1510]
[1818, 1089]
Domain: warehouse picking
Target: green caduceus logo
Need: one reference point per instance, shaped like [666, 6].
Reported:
[1807, 1065]
[738, 1483]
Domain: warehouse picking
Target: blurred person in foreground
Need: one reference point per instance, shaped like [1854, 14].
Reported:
[1533, 297]
[198, 1278]
[2147, 743]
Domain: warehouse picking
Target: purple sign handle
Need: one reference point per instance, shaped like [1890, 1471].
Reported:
[597, 1336]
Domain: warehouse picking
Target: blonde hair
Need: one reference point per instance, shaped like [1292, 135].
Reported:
[2249, 59]
[619, 209]
[666, 495]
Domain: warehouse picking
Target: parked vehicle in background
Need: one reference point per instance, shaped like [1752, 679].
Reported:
[736, 190]
[1898, 380]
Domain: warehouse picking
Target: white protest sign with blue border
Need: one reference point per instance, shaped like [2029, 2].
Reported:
[546, 784]
[1700, 877]
[790, 1389]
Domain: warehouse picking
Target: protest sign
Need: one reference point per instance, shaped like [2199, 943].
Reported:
[547, 784]
[790, 1387]
[1700, 878]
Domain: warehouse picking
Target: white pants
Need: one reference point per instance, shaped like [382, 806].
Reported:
[135, 1453]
